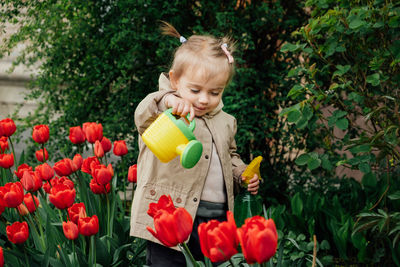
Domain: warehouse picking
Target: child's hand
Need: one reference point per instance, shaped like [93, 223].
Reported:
[253, 185]
[180, 106]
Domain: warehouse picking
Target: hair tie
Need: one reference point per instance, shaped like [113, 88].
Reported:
[224, 48]
[182, 39]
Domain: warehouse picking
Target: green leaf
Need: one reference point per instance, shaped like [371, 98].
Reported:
[342, 124]
[292, 47]
[339, 113]
[295, 91]
[361, 148]
[326, 164]
[302, 159]
[313, 164]
[373, 79]
[294, 116]
[341, 70]
[356, 23]
[364, 167]
[369, 180]
[394, 196]
[297, 204]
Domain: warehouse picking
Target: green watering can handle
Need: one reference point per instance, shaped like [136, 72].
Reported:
[192, 123]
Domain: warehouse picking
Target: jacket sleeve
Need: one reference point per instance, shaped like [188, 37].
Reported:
[150, 108]
[238, 166]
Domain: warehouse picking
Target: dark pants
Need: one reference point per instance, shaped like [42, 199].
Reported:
[160, 256]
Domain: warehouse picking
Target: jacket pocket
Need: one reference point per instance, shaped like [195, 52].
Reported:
[152, 193]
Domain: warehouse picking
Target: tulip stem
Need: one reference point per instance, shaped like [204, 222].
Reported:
[31, 221]
[44, 155]
[26, 257]
[108, 217]
[123, 182]
[92, 251]
[13, 151]
[74, 253]
[187, 250]
[39, 222]
[11, 173]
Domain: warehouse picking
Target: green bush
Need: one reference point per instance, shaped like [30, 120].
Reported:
[348, 83]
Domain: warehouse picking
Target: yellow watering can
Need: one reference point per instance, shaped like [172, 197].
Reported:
[168, 136]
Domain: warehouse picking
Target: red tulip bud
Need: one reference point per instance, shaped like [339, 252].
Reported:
[6, 161]
[39, 155]
[120, 148]
[98, 149]
[41, 133]
[7, 127]
[70, 230]
[76, 135]
[132, 174]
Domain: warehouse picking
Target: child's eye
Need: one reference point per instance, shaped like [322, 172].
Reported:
[194, 91]
[215, 93]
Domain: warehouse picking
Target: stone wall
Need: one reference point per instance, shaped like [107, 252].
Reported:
[13, 86]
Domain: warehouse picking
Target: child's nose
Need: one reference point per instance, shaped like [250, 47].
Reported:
[203, 99]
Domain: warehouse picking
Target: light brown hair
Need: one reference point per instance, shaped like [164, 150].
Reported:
[201, 53]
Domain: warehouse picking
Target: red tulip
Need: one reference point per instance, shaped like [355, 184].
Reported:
[28, 205]
[78, 160]
[3, 144]
[6, 161]
[31, 181]
[120, 148]
[88, 164]
[55, 181]
[76, 211]
[64, 167]
[132, 173]
[1, 257]
[218, 240]
[102, 174]
[88, 226]
[21, 169]
[258, 238]
[41, 133]
[76, 135]
[164, 203]
[172, 225]
[106, 144]
[28, 200]
[99, 189]
[7, 127]
[22, 209]
[39, 155]
[18, 232]
[44, 171]
[11, 194]
[70, 230]
[98, 149]
[93, 131]
[61, 196]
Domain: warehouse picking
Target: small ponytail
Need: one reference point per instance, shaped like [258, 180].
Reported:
[168, 29]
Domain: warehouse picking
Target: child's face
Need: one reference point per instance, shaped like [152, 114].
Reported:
[203, 94]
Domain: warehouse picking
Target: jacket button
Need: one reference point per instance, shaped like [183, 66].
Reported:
[152, 192]
[178, 200]
[195, 199]
[206, 156]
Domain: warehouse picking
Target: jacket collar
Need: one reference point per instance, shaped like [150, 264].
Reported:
[164, 84]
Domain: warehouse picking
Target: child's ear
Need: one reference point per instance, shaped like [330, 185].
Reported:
[173, 80]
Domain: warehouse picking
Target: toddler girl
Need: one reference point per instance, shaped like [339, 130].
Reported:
[201, 69]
